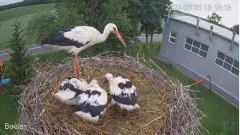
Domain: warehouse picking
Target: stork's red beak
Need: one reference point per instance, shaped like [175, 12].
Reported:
[117, 34]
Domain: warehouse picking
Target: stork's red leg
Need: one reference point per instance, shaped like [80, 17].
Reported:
[78, 67]
[75, 66]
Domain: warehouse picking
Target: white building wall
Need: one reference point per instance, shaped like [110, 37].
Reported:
[221, 78]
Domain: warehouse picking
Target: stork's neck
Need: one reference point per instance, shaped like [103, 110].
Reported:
[104, 35]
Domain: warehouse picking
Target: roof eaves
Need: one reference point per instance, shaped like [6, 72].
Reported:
[204, 29]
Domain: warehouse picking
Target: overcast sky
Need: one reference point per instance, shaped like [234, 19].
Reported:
[228, 9]
[5, 2]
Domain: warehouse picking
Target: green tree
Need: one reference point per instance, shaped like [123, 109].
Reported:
[159, 29]
[151, 13]
[134, 13]
[70, 13]
[42, 25]
[87, 12]
[20, 62]
[97, 14]
[236, 28]
[214, 18]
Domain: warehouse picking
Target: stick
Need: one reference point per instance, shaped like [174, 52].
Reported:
[154, 120]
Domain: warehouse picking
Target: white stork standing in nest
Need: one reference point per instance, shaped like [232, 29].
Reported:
[78, 38]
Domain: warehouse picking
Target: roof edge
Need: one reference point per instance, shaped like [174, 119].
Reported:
[220, 25]
[205, 30]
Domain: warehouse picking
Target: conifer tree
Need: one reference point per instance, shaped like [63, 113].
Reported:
[20, 61]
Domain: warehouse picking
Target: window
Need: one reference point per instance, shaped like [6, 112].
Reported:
[196, 47]
[172, 37]
[227, 63]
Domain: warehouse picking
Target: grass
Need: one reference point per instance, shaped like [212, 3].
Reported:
[6, 29]
[8, 107]
[218, 111]
[23, 14]
[56, 57]
[25, 10]
[3, 46]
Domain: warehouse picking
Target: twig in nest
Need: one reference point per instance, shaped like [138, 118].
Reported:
[155, 90]
[154, 120]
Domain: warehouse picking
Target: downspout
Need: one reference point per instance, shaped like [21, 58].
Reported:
[231, 46]
[210, 34]
[198, 19]
[168, 16]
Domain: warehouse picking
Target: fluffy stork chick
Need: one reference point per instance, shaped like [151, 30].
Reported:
[92, 102]
[70, 89]
[123, 92]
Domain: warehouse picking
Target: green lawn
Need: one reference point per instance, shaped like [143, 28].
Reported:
[218, 111]
[6, 29]
[56, 57]
[24, 14]
[25, 10]
[8, 111]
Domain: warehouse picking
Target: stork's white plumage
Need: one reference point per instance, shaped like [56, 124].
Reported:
[92, 103]
[70, 89]
[90, 99]
[123, 92]
[78, 38]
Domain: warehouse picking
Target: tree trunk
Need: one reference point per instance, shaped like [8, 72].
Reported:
[159, 47]
[151, 40]
[146, 31]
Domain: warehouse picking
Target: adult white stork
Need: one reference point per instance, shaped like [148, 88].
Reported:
[78, 38]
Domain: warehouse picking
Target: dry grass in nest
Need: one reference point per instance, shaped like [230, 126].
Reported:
[163, 105]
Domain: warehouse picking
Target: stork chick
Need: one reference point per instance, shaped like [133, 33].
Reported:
[92, 102]
[123, 92]
[70, 89]
[90, 99]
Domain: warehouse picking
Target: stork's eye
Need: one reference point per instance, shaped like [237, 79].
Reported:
[114, 29]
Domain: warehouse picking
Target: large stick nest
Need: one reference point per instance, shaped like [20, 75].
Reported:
[166, 106]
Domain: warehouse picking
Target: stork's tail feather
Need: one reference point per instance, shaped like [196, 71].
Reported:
[45, 41]
[57, 37]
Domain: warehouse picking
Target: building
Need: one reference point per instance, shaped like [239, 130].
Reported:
[200, 48]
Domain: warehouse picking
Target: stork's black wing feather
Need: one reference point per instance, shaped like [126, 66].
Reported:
[127, 100]
[58, 38]
[88, 108]
[127, 85]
